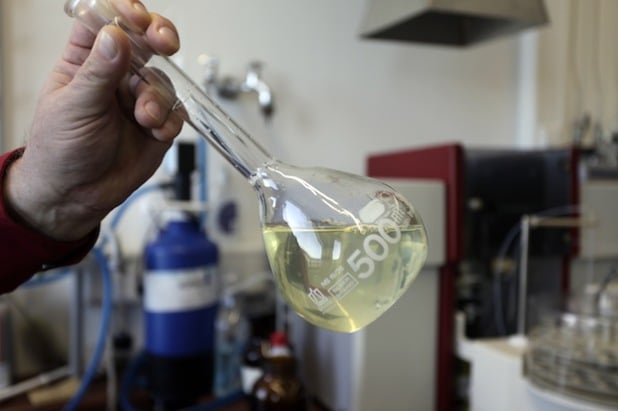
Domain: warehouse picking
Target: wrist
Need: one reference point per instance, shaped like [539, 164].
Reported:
[36, 209]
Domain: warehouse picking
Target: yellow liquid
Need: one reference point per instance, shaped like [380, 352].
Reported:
[343, 278]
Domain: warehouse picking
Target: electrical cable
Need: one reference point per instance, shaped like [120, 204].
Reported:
[100, 345]
[129, 377]
[127, 203]
[502, 253]
[497, 283]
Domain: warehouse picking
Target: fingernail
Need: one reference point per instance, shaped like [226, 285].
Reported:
[140, 7]
[169, 35]
[153, 109]
[133, 82]
[107, 45]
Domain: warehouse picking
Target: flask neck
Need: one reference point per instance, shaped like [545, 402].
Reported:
[208, 119]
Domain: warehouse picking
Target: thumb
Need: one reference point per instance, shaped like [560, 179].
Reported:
[106, 65]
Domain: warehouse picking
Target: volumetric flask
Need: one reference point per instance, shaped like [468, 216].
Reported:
[343, 248]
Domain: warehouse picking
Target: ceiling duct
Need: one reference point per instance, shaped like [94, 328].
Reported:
[450, 22]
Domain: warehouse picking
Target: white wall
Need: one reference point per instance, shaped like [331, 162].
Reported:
[339, 98]
[577, 69]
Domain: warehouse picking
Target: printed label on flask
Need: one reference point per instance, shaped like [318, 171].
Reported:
[179, 290]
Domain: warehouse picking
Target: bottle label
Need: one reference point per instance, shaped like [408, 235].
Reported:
[180, 290]
[250, 375]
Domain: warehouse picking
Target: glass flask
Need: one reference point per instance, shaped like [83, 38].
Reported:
[343, 248]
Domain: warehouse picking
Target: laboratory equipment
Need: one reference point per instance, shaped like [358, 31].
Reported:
[343, 248]
[577, 355]
[279, 388]
[486, 191]
[180, 302]
[253, 363]
[453, 23]
[575, 352]
[232, 335]
[568, 363]
[181, 294]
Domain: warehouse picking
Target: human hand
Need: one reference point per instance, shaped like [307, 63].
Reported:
[97, 132]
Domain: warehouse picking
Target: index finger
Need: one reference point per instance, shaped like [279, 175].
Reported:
[162, 36]
[134, 14]
[159, 33]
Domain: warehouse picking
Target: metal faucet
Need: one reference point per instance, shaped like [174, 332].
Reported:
[255, 83]
[230, 87]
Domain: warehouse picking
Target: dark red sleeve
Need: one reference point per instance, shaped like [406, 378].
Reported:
[23, 251]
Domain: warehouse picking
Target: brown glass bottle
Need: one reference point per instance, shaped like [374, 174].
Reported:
[253, 364]
[279, 388]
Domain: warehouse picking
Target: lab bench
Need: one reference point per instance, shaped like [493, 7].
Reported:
[95, 400]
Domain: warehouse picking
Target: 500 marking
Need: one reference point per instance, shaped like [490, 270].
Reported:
[375, 247]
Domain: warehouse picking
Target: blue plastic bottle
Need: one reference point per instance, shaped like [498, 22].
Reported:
[181, 289]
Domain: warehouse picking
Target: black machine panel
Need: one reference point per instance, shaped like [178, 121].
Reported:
[502, 185]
